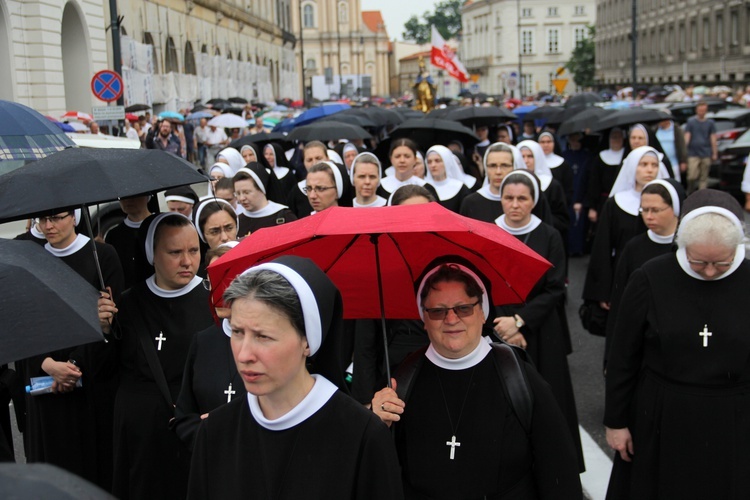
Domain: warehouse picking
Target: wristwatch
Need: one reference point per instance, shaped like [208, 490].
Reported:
[519, 321]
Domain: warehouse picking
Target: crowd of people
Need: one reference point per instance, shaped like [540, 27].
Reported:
[251, 399]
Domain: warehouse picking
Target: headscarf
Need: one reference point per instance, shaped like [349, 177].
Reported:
[553, 160]
[254, 150]
[462, 265]
[149, 225]
[541, 167]
[623, 189]
[675, 190]
[535, 221]
[365, 158]
[185, 194]
[235, 159]
[509, 129]
[334, 156]
[225, 169]
[609, 155]
[453, 182]
[203, 203]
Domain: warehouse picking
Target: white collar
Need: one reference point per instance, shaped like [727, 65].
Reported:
[472, 359]
[36, 233]
[661, 240]
[271, 208]
[519, 231]
[487, 193]
[391, 184]
[469, 180]
[318, 396]
[77, 244]
[379, 202]
[447, 188]
[302, 185]
[390, 171]
[132, 224]
[545, 180]
[629, 201]
[483, 144]
[612, 157]
[682, 260]
[280, 172]
[554, 161]
[172, 294]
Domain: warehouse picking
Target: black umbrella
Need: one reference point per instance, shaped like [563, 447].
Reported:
[383, 117]
[219, 104]
[584, 99]
[238, 100]
[260, 139]
[328, 131]
[624, 118]
[352, 119]
[480, 116]
[409, 112]
[567, 114]
[78, 177]
[25, 134]
[441, 112]
[584, 120]
[544, 113]
[137, 107]
[46, 482]
[46, 305]
[430, 131]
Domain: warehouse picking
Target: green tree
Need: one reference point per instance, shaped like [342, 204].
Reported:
[446, 18]
[582, 63]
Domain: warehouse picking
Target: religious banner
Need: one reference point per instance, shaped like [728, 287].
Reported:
[445, 57]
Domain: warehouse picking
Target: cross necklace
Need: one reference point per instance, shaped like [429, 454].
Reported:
[453, 443]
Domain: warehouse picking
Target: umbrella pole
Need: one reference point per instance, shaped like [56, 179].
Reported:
[374, 240]
[87, 218]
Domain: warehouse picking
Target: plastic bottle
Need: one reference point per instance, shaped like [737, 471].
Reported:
[43, 385]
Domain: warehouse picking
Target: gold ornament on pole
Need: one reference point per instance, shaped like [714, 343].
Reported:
[424, 89]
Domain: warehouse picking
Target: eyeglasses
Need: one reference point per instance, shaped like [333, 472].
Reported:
[653, 210]
[318, 189]
[216, 231]
[702, 264]
[439, 313]
[503, 166]
[54, 219]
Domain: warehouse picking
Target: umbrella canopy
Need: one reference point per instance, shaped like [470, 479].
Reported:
[133, 108]
[408, 112]
[227, 120]
[544, 113]
[238, 100]
[381, 116]
[328, 131]
[358, 248]
[260, 139]
[131, 117]
[65, 127]
[44, 481]
[480, 116]
[171, 115]
[624, 118]
[430, 131]
[319, 112]
[198, 115]
[584, 99]
[76, 177]
[77, 115]
[352, 119]
[47, 306]
[441, 112]
[584, 120]
[26, 134]
[219, 104]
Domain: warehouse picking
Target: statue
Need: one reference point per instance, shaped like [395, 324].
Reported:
[424, 89]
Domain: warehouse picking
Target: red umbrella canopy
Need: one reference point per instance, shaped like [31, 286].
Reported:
[343, 242]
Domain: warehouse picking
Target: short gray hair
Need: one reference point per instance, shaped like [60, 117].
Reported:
[273, 290]
[709, 229]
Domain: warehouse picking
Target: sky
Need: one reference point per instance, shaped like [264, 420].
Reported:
[397, 12]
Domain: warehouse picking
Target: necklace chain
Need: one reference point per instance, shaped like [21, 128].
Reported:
[463, 405]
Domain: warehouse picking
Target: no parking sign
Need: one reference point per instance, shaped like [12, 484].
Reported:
[107, 85]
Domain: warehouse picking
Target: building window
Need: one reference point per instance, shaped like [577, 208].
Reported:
[693, 35]
[682, 37]
[580, 10]
[343, 12]
[526, 12]
[706, 33]
[734, 28]
[170, 57]
[310, 64]
[308, 16]
[579, 35]
[527, 42]
[149, 40]
[552, 11]
[189, 59]
[671, 41]
[527, 83]
[662, 43]
[719, 30]
[553, 41]
[498, 44]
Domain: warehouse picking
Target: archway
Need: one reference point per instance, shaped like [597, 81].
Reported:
[75, 60]
[6, 61]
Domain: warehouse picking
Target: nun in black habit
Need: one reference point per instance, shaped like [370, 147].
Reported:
[158, 318]
[277, 162]
[251, 187]
[604, 171]
[677, 407]
[297, 434]
[446, 175]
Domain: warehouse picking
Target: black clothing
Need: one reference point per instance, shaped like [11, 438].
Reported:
[298, 202]
[481, 208]
[124, 239]
[601, 180]
[251, 224]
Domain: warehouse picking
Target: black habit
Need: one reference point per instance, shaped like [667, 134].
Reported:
[124, 238]
[250, 224]
[478, 206]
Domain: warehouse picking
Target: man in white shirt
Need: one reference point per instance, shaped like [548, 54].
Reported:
[216, 139]
[200, 136]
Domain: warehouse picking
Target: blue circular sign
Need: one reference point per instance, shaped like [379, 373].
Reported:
[107, 85]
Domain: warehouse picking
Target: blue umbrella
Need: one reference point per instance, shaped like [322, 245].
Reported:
[26, 134]
[171, 115]
[285, 125]
[522, 111]
[198, 115]
[65, 127]
[313, 114]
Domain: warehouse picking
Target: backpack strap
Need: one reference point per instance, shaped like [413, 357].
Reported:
[406, 371]
[515, 384]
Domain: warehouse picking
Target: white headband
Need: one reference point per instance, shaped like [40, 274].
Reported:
[201, 205]
[336, 178]
[485, 298]
[255, 178]
[152, 231]
[525, 173]
[183, 199]
[672, 193]
[365, 157]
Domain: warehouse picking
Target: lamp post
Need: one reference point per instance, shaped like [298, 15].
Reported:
[302, 54]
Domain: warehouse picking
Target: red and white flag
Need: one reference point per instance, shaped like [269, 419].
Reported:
[445, 57]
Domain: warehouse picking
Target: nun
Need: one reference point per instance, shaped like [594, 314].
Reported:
[218, 170]
[158, 318]
[181, 199]
[250, 188]
[124, 238]
[297, 434]
[215, 221]
[446, 175]
[249, 154]
[277, 161]
[365, 177]
[324, 186]
[620, 221]
[231, 157]
[640, 135]
[604, 172]
[347, 151]
[72, 428]
[661, 201]
[403, 156]
[560, 168]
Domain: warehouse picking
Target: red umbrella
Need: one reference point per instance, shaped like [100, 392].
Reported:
[374, 255]
[131, 117]
[77, 115]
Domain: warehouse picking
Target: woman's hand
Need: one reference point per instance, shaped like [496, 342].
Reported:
[65, 374]
[604, 305]
[621, 441]
[387, 405]
[107, 309]
[505, 327]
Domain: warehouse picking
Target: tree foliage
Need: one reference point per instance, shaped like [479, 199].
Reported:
[582, 63]
[446, 18]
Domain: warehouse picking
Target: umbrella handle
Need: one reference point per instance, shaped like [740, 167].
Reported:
[374, 241]
[87, 218]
